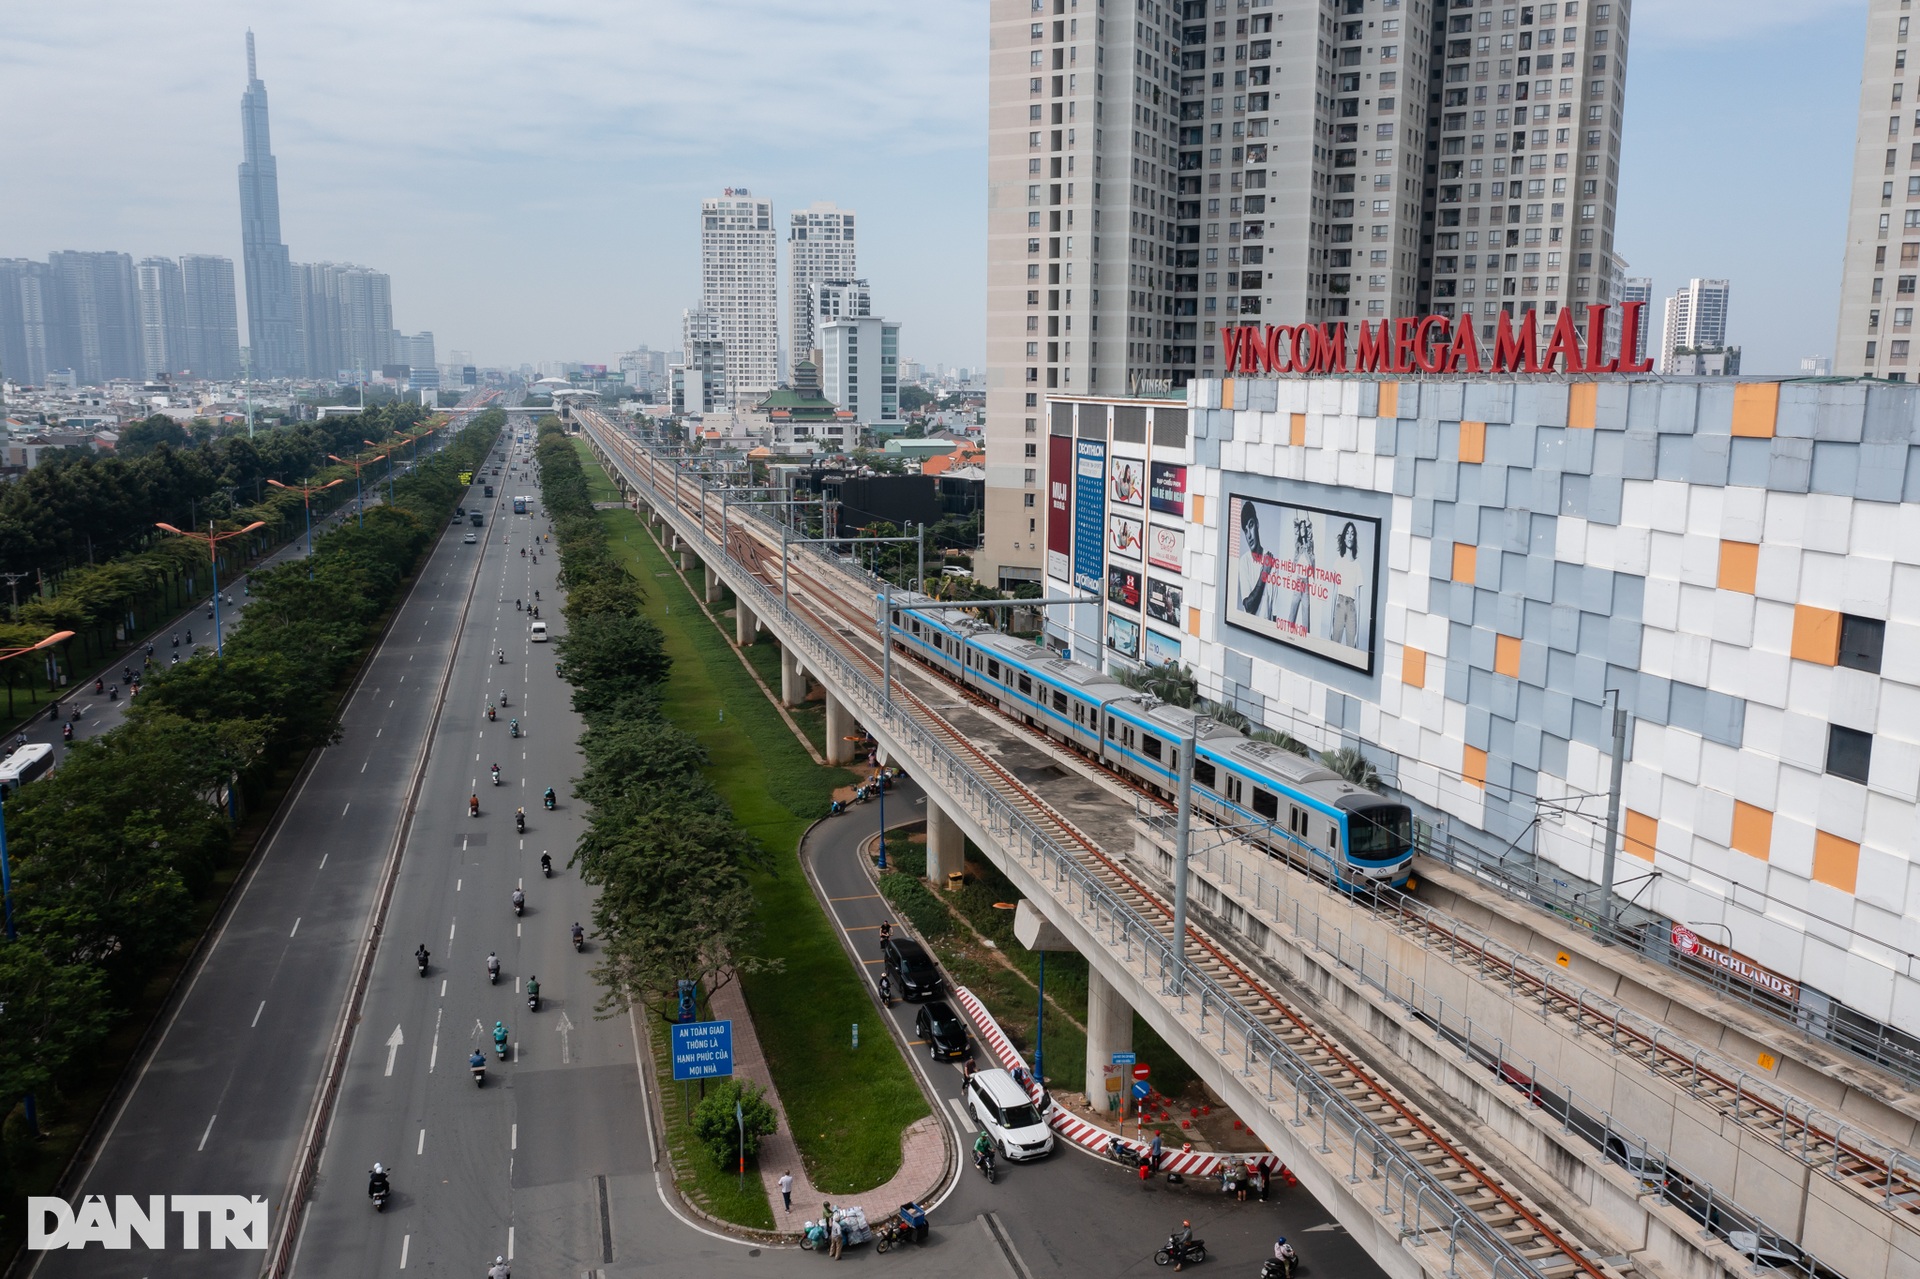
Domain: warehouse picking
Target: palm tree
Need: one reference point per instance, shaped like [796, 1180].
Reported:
[1354, 766]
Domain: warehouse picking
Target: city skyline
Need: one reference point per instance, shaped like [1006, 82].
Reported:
[165, 181]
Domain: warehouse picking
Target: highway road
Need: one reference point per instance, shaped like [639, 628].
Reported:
[219, 1106]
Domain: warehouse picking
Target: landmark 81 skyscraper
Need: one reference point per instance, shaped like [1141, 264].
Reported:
[271, 325]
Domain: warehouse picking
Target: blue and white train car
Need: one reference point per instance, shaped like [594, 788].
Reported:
[1284, 800]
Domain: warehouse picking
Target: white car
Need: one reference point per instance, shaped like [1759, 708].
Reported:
[469, 539]
[539, 635]
[1008, 1115]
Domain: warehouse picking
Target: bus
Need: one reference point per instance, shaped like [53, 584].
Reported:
[520, 505]
[29, 763]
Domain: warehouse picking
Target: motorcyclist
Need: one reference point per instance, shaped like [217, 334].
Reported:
[516, 605]
[498, 1270]
[549, 797]
[579, 935]
[473, 805]
[1283, 1252]
[490, 712]
[496, 774]
[1178, 1243]
[493, 966]
[546, 863]
[533, 988]
[519, 899]
[886, 987]
[478, 1061]
[420, 956]
[982, 1150]
[500, 1037]
[377, 1182]
[520, 820]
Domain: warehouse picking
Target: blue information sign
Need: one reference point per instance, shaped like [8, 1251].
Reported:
[703, 1050]
[1089, 515]
[1124, 1059]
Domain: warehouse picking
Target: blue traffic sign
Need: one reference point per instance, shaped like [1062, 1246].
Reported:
[1140, 1089]
[1124, 1059]
[703, 1050]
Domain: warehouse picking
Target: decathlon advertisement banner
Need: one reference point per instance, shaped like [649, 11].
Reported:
[1089, 514]
[1304, 576]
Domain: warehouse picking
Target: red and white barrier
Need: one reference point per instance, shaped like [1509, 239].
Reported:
[1188, 1163]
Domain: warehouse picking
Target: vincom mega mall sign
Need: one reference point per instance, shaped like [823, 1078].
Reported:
[1435, 344]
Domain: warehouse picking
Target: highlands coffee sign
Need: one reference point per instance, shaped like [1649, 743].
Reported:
[1435, 344]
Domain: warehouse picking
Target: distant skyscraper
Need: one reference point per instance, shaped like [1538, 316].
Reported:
[820, 246]
[868, 388]
[346, 318]
[1639, 288]
[271, 324]
[212, 319]
[702, 385]
[1695, 320]
[96, 331]
[1883, 238]
[739, 287]
[163, 317]
[26, 294]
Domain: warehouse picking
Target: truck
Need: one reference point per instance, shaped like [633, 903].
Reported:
[489, 490]
[520, 505]
[475, 517]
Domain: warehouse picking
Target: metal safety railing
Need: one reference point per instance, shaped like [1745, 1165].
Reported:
[1425, 1204]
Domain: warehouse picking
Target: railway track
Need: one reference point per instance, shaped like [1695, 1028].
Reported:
[1528, 1232]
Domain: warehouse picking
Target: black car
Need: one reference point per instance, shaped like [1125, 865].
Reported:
[945, 1034]
[912, 967]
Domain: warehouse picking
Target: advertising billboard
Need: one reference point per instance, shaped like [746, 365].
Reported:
[1161, 649]
[1123, 636]
[1124, 535]
[1089, 512]
[1166, 547]
[1126, 481]
[1167, 489]
[1059, 506]
[1304, 576]
[1123, 587]
[1164, 601]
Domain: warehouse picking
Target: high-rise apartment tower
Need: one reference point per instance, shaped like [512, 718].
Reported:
[739, 287]
[212, 322]
[272, 328]
[1222, 162]
[163, 317]
[1695, 319]
[1877, 293]
[820, 246]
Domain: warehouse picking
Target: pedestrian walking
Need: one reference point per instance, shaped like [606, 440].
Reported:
[786, 1191]
[967, 1066]
[1154, 1149]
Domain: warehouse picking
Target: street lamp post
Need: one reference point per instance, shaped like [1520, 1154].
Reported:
[306, 492]
[213, 540]
[359, 490]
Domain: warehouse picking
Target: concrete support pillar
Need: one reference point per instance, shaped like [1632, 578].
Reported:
[1109, 1031]
[746, 627]
[686, 560]
[793, 679]
[840, 726]
[946, 845]
[713, 583]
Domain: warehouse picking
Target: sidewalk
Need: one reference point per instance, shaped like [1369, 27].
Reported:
[923, 1156]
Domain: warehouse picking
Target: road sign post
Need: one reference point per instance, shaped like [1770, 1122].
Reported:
[703, 1050]
[1124, 1059]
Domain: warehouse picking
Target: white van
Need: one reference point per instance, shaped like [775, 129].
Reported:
[539, 632]
[1009, 1116]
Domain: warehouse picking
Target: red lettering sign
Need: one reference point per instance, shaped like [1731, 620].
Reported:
[1437, 344]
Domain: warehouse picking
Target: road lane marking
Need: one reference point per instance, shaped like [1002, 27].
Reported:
[323, 860]
[858, 897]
[513, 1141]
[296, 926]
[208, 1133]
[509, 1243]
[378, 731]
[458, 882]
[256, 1015]
[421, 1148]
[406, 1240]
[394, 1043]
[450, 928]
[363, 767]
[433, 1058]
[966, 1120]
[443, 988]
[343, 812]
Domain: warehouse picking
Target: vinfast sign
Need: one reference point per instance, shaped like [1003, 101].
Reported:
[1435, 344]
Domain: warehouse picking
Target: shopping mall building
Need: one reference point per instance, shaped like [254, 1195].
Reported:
[1459, 574]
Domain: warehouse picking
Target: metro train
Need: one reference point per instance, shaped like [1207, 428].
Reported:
[1286, 801]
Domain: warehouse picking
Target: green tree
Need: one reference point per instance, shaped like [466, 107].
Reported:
[606, 656]
[1351, 764]
[725, 1137]
[149, 433]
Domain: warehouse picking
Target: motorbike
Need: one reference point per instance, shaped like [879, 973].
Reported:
[500, 1045]
[66, 732]
[519, 902]
[546, 866]
[420, 957]
[496, 777]
[473, 808]
[548, 801]
[579, 938]
[490, 714]
[493, 972]
[1275, 1268]
[520, 822]
[513, 729]
[1121, 1153]
[480, 1071]
[984, 1162]
[1176, 1253]
[379, 1198]
[533, 1001]
[503, 657]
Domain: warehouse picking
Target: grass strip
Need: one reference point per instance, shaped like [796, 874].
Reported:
[716, 1191]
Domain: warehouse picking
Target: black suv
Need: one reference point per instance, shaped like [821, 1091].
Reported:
[912, 967]
[942, 1030]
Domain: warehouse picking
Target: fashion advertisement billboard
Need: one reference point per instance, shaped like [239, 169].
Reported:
[1304, 576]
[1059, 506]
[1089, 512]
[1126, 481]
[1123, 587]
[1124, 534]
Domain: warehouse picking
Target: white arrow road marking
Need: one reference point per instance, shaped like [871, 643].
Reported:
[566, 1039]
[393, 1046]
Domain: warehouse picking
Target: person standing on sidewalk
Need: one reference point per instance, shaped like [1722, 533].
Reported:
[786, 1191]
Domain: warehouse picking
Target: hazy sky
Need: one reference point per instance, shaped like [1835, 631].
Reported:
[530, 175]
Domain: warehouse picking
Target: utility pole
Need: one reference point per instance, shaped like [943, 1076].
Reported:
[1613, 817]
[13, 588]
[1182, 841]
